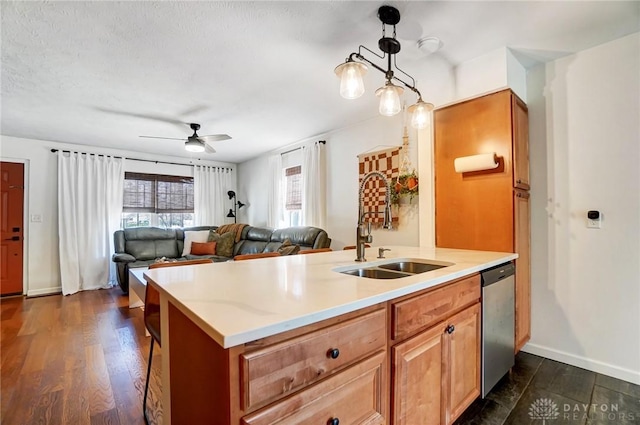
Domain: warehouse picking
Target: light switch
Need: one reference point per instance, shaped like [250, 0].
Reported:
[36, 218]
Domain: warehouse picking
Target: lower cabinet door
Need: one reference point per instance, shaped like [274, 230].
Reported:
[463, 347]
[356, 395]
[417, 379]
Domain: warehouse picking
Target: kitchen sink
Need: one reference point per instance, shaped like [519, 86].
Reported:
[376, 273]
[397, 269]
[411, 267]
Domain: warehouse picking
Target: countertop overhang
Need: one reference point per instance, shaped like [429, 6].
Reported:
[239, 302]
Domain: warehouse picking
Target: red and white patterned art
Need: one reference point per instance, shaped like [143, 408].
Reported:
[386, 161]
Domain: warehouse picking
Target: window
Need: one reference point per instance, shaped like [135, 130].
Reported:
[293, 196]
[157, 200]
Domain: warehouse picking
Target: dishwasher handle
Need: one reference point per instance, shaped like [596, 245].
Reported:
[498, 273]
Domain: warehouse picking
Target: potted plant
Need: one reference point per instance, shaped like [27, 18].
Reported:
[405, 184]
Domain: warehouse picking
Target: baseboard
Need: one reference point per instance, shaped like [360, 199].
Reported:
[584, 363]
[44, 291]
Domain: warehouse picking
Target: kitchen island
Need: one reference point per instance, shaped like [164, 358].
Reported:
[288, 339]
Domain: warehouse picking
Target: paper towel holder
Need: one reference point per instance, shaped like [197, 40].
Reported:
[480, 162]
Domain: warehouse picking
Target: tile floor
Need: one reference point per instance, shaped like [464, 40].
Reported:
[561, 393]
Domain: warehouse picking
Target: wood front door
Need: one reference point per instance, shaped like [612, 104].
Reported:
[11, 228]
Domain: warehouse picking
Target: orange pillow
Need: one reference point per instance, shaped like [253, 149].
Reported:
[203, 248]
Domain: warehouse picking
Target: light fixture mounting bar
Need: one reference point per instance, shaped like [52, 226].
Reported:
[359, 56]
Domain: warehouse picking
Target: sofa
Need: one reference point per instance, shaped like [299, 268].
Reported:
[141, 246]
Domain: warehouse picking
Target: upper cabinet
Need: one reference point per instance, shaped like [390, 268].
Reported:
[520, 143]
[474, 210]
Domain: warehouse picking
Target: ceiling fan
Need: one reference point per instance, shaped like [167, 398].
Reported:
[195, 143]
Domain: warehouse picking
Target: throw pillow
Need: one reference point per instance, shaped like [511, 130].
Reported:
[224, 243]
[203, 248]
[287, 248]
[191, 236]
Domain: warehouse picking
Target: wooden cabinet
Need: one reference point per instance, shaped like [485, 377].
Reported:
[336, 368]
[417, 370]
[522, 285]
[436, 373]
[463, 374]
[277, 370]
[411, 360]
[478, 210]
[354, 396]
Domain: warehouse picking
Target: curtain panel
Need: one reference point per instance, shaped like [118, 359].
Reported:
[275, 190]
[314, 181]
[90, 191]
[210, 187]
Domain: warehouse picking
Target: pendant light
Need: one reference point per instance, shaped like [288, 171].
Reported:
[352, 71]
[351, 84]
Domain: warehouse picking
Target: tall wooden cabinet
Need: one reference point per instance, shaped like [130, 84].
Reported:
[486, 210]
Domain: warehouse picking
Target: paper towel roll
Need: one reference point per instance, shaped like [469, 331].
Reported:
[485, 161]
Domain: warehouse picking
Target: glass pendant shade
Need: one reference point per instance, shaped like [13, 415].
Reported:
[194, 146]
[351, 84]
[389, 99]
[421, 114]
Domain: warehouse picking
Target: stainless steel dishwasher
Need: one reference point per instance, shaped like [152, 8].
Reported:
[498, 324]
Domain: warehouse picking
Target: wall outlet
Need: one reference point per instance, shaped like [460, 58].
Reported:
[36, 218]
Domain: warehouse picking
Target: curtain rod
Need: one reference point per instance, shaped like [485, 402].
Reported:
[143, 160]
[324, 142]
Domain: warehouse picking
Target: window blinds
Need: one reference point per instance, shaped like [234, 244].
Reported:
[157, 193]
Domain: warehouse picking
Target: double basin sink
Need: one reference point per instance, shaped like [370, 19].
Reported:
[396, 269]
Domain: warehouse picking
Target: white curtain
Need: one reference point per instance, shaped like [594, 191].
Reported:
[210, 199]
[314, 180]
[274, 192]
[90, 190]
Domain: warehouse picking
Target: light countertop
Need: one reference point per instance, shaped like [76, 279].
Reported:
[238, 302]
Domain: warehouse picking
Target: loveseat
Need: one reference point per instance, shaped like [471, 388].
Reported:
[141, 246]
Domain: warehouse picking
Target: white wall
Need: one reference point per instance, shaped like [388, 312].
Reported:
[498, 69]
[584, 113]
[342, 149]
[41, 262]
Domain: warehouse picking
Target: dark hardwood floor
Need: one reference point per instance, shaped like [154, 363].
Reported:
[79, 359]
[82, 359]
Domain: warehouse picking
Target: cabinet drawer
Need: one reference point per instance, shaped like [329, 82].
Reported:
[273, 372]
[421, 311]
[354, 396]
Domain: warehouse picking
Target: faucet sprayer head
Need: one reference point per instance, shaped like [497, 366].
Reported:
[387, 223]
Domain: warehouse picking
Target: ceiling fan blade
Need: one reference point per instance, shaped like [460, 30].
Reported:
[152, 117]
[215, 137]
[166, 138]
[209, 149]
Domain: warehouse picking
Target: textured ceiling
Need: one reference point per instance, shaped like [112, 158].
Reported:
[104, 73]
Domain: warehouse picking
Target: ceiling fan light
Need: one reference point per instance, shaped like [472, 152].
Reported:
[350, 74]
[195, 146]
[420, 114]
[389, 99]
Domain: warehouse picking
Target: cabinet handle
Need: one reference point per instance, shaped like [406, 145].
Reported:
[333, 421]
[519, 181]
[450, 329]
[333, 353]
